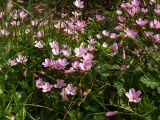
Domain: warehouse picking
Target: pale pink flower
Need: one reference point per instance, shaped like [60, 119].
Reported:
[60, 63]
[114, 36]
[80, 51]
[88, 57]
[100, 17]
[152, 1]
[39, 44]
[119, 27]
[105, 45]
[55, 47]
[40, 34]
[79, 4]
[124, 54]
[47, 87]
[141, 21]
[4, 32]
[85, 65]
[134, 10]
[1, 15]
[34, 22]
[15, 23]
[124, 67]
[136, 3]
[149, 34]
[60, 25]
[21, 59]
[114, 47]
[91, 48]
[75, 65]
[69, 71]
[80, 25]
[122, 18]
[131, 33]
[39, 83]
[59, 84]
[76, 14]
[15, 14]
[48, 63]
[71, 90]
[144, 10]
[105, 33]
[157, 10]
[64, 94]
[66, 52]
[157, 37]
[155, 24]
[98, 36]
[126, 5]
[22, 14]
[43, 23]
[12, 62]
[133, 96]
[111, 113]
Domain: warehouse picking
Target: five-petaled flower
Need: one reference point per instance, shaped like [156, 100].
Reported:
[133, 96]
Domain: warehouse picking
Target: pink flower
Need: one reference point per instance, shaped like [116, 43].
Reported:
[39, 44]
[124, 54]
[55, 47]
[63, 93]
[12, 62]
[60, 63]
[144, 10]
[48, 63]
[134, 10]
[80, 51]
[1, 14]
[79, 4]
[135, 3]
[122, 18]
[4, 32]
[131, 33]
[111, 113]
[34, 22]
[141, 21]
[75, 65]
[40, 34]
[100, 17]
[133, 96]
[126, 5]
[155, 24]
[98, 36]
[69, 71]
[71, 90]
[60, 84]
[157, 37]
[39, 83]
[114, 36]
[124, 67]
[22, 14]
[88, 57]
[105, 45]
[85, 65]
[80, 24]
[119, 27]
[114, 47]
[47, 87]
[15, 23]
[149, 34]
[21, 59]
[157, 10]
[105, 33]
[66, 52]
